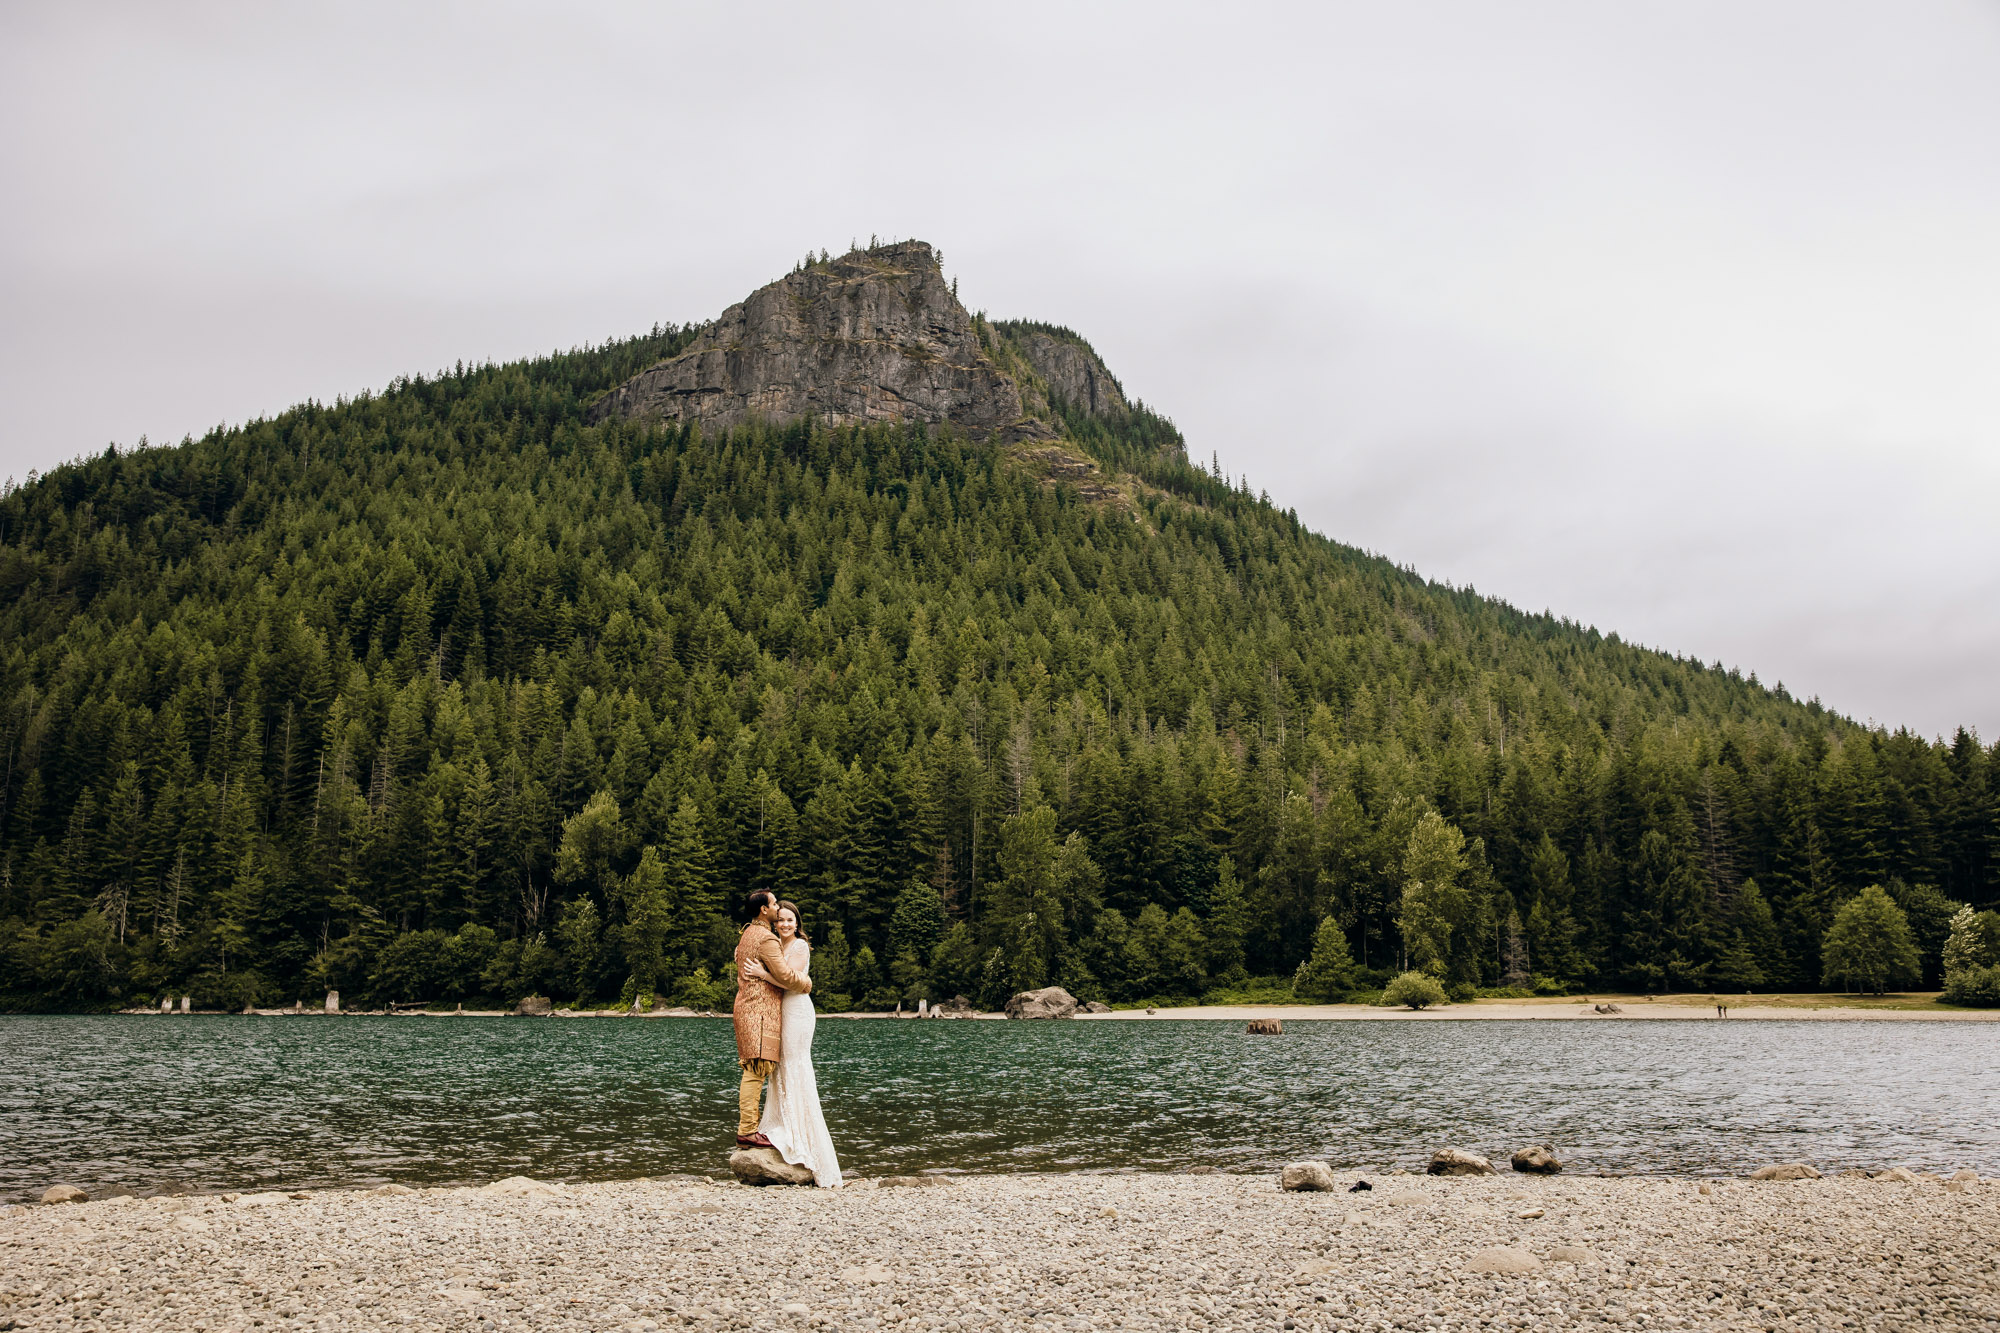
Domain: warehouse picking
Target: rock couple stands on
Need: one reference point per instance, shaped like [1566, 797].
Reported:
[877, 335]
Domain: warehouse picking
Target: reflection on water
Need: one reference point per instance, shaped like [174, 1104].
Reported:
[225, 1103]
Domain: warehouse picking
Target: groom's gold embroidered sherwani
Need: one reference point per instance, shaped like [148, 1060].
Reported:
[757, 1018]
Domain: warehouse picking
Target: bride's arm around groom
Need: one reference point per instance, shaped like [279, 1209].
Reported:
[762, 977]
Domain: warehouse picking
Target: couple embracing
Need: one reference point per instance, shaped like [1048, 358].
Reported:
[774, 1034]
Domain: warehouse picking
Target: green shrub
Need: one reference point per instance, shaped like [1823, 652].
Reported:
[408, 967]
[227, 991]
[1504, 993]
[1463, 992]
[1549, 985]
[1975, 987]
[1416, 990]
[881, 999]
[697, 991]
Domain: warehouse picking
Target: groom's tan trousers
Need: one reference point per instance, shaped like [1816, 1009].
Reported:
[750, 1092]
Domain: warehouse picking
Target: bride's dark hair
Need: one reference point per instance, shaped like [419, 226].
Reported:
[787, 905]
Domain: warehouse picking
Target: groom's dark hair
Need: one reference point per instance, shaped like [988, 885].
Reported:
[759, 899]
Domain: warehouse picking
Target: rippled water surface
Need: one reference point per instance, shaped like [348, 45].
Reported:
[236, 1102]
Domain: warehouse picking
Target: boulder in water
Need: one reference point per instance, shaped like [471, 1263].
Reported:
[1265, 1027]
[1048, 1002]
[1537, 1159]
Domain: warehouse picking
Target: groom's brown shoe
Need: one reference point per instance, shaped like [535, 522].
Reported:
[752, 1141]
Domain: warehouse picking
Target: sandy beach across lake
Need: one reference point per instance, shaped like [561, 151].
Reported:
[1831, 1010]
[1828, 1008]
[1066, 1252]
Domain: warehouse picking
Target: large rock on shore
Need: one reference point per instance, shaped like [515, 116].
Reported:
[1537, 1159]
[1458, 1162]
[764, 1166]
[1048, 1002]
[525, 1187]
[1503, 1259]
[1786, 1171]
[64, 1194]
[534, 1006]
[1307, 1176]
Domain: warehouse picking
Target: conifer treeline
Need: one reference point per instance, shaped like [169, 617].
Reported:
[444, 694]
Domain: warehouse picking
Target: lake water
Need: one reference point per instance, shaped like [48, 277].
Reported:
[213, 1103]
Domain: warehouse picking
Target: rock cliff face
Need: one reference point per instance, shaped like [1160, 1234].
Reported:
[1068, 367]
[874, 336]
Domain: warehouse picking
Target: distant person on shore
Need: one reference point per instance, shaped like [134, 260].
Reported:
[793, 1123]
[762, 978]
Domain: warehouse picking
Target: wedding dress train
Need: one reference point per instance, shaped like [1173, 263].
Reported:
[792, 1119]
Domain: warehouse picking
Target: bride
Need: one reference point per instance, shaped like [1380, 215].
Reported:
[792, 1119]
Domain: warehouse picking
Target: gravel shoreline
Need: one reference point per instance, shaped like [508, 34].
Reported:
[1050, 1252]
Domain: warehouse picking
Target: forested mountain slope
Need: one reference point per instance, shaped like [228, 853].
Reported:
[447, 692]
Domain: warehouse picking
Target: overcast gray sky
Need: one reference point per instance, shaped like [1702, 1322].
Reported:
[1679, 319]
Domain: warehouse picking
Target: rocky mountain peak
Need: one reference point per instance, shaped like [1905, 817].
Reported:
[877, 335]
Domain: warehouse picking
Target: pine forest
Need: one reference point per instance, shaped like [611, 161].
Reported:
[444, 694]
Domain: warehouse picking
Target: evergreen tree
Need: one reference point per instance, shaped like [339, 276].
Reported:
[1664, 941]
[1551, 927]
[917, 925]
[692, 898]
[580, 937]
[1435, 902]
[648, 926]
[1227, 926]
[1328, 974]
[832, 970]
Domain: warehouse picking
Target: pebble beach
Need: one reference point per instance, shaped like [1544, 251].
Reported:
[1043, 1252]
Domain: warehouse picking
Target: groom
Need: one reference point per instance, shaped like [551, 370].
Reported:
[756, 1012]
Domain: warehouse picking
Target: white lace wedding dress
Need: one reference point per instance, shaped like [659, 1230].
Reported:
[792, 1119]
